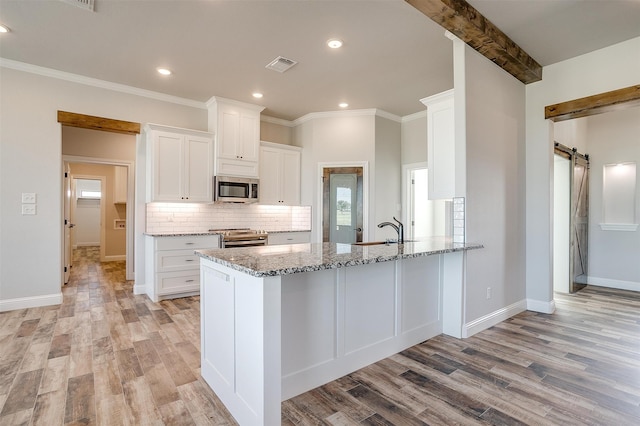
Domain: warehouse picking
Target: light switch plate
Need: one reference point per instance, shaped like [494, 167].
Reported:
[28, 209]
[28, 197]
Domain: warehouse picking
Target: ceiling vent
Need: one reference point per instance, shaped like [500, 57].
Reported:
[280, 64]
[83, 4]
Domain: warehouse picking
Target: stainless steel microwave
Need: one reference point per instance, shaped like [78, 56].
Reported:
[228, 189]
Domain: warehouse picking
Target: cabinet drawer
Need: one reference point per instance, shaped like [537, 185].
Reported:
[178, 282]
[289, 238]
[194, 242]
[176, 260]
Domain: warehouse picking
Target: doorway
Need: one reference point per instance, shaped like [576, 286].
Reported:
[571, 219]
[342, 204]
[425, 218]
[116, 210]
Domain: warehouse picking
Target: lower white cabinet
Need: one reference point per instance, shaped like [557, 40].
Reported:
[173, 266]
[289, 238]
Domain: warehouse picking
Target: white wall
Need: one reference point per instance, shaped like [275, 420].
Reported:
[612, 138]
[414, 138]
[611, 68]
[388, 172]
[86, 215]
[31, 161]
[336, 138]
[494, 107]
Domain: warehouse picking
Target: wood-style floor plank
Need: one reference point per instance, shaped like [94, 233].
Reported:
[108, 357]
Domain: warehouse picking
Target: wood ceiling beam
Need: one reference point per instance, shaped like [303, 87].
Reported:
[98, 123]
[592, 105]
[466, 23]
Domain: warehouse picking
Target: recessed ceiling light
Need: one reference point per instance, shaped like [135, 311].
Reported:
[334, 43]
[4, 29]
[343, 104]
[257, 95]
[164, 71]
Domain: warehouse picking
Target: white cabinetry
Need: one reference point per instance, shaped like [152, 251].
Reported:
[279, 174]
[237, 128]
[279, 238]
[120, 185]
[441, 145]
[173, 266]
[180, 164]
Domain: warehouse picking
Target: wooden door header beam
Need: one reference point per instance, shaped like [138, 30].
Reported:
[592, 105]
[466, 23]
[98, 123]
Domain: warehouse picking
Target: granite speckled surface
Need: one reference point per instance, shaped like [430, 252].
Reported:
[181, 234]
[294, 258]
[189, 234]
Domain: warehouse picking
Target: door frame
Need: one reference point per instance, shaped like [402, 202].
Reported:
[406, 194]
[130, 165]
[365, 195]
[103, 213]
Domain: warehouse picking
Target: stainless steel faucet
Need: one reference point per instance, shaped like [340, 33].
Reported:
[399, 229]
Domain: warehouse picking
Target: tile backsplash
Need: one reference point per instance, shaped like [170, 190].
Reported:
[192, 217]
[458, 220]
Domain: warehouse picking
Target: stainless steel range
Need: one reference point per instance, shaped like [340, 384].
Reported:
[243, 237]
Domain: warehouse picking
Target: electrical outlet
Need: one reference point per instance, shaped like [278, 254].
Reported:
[28, 209]
[28, 198]
[488, 292]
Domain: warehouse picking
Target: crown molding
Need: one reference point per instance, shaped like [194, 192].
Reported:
[279, 121]
[415, 116]
[102, 84]
[215, 99]
[349, 113]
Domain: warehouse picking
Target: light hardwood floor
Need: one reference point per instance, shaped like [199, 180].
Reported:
[106, 356]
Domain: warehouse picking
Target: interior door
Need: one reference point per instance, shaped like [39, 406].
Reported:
[66, 267]
[579, 222]
[342, 205]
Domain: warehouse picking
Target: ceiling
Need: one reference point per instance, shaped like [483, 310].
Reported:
[392, 56]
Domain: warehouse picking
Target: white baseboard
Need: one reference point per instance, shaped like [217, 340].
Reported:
[482, 323]
[620, 284]
[543, 307]
[114, 258]
[139, 289]
[30, 302]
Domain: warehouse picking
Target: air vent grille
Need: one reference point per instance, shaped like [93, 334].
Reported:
[281, 64]
[83, 4]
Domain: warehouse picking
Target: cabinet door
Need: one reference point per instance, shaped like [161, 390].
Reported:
[120, 185]
[168, 167]
[249, 138]
[199, 176]
[228, 133]
[290, 178]
[270, 177]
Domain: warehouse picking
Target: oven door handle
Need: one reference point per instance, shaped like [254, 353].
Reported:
[244, 243]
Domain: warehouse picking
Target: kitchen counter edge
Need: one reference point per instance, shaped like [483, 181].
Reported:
[261, 262]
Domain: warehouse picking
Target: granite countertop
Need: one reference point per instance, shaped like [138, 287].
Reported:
[180, 234]
[190, 234]
[294, 258]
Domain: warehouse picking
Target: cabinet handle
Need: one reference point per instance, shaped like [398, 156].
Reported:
[189, 281]
[189, 244]
[188, 260]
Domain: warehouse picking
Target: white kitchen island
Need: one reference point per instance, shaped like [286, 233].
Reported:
[278, 321]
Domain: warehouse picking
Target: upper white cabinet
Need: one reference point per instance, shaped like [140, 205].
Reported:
[180, 164]
[441, 146]
[279, 174]
[237, 128]
[120, 185]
